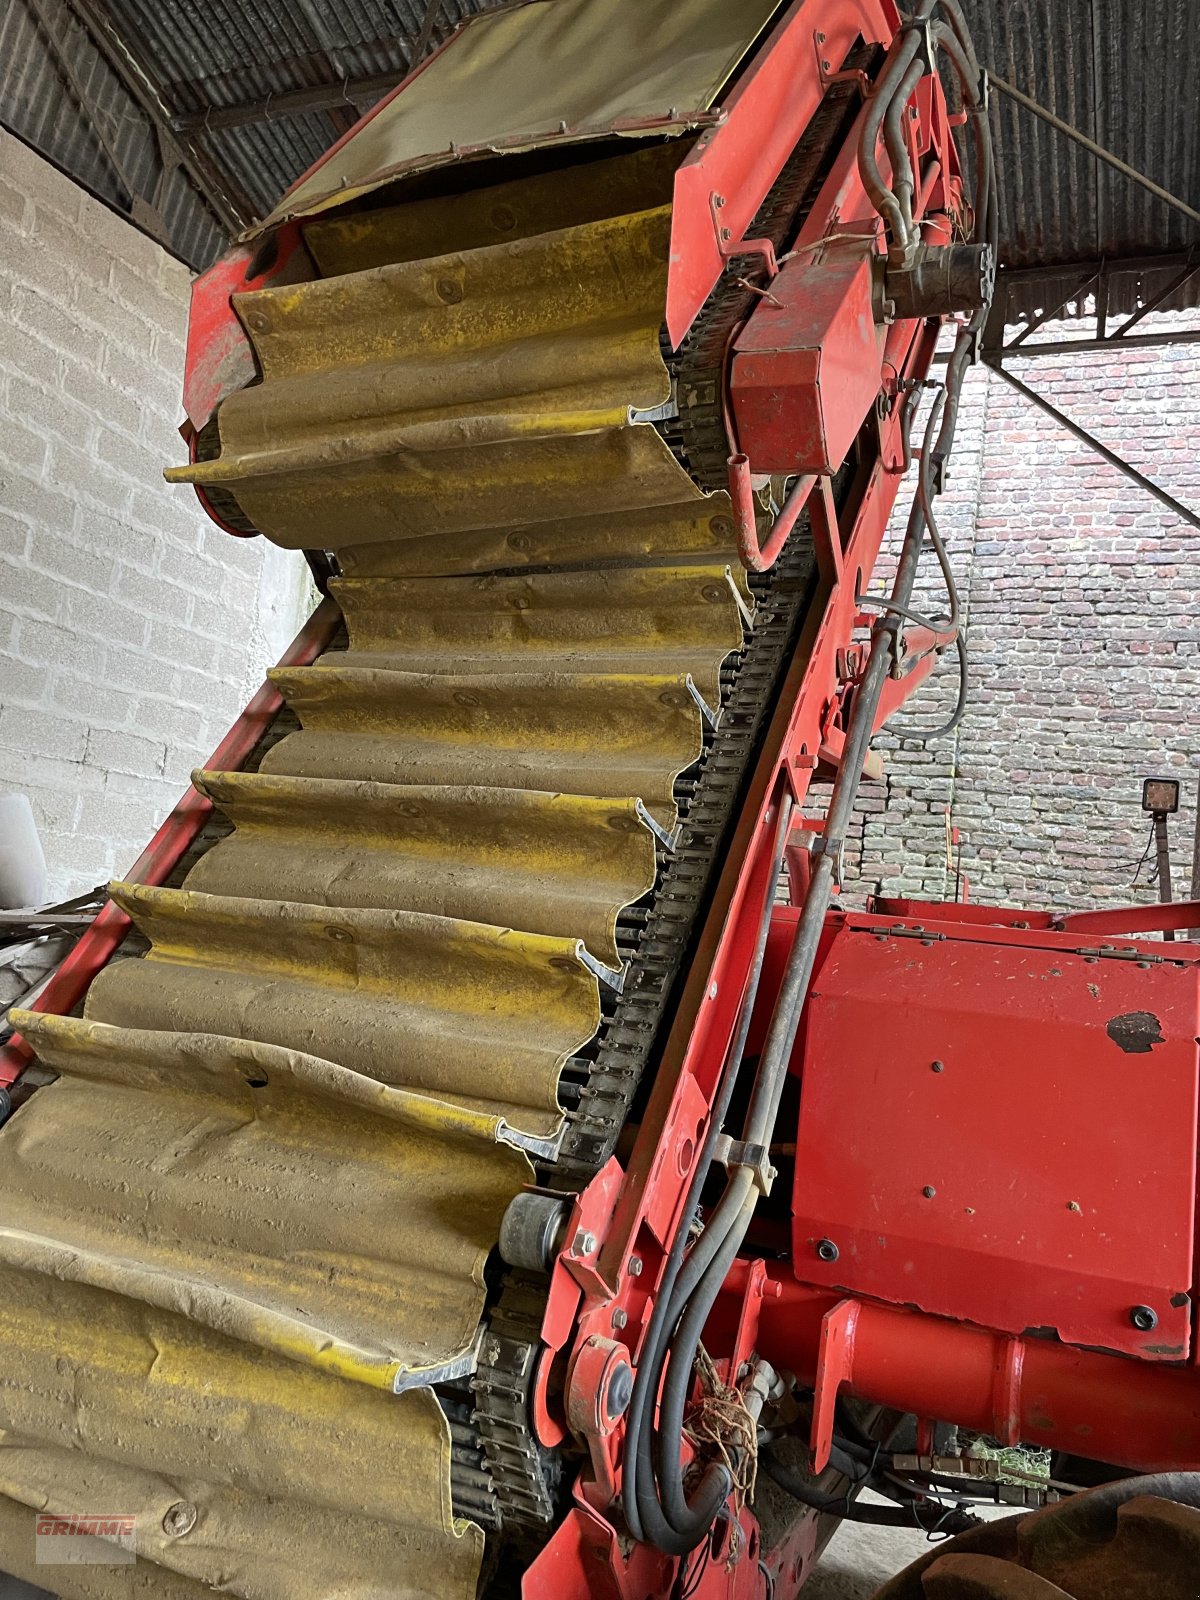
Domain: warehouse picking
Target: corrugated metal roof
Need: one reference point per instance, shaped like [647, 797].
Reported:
[1121, 72]
[43, 46]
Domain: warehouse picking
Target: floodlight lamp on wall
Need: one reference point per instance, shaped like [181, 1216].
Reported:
[1160, 796]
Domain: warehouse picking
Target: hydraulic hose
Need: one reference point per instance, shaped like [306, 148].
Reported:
[918, 1514]
[636, 1491]
[903, 179]
[706, 1268]
[880, 196]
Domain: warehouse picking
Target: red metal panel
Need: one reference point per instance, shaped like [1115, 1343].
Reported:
[219, 358]
[1003, 1133]
[806, 367]
[738, 161]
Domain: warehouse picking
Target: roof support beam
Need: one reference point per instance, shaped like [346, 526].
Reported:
[351, 93]
[1093, 148]
[1029, 297]
[1082, 434]
[231, 208]
[79, 88]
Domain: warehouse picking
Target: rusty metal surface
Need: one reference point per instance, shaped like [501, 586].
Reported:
[282, 1140]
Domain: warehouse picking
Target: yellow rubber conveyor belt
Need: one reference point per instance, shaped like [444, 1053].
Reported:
[245, 1228]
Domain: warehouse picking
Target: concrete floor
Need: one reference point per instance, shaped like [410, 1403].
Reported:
[858, 1559]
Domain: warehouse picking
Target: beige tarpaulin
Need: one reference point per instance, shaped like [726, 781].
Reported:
[520, 75]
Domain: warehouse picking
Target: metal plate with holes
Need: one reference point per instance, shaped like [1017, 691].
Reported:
[1004, 1132]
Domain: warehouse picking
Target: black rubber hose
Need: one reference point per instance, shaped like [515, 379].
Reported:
[903, 179]
[880, 196]
[921, 1513]
[959, 24]
[692, 1517]
[645, 1391]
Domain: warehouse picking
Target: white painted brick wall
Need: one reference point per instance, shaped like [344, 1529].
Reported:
[131, 629]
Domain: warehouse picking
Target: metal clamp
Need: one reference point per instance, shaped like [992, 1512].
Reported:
[733, 1153]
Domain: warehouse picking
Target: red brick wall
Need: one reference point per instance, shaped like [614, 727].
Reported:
[1083, 597]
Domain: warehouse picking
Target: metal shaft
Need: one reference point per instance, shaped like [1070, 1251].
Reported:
[1095, 149]
[1162, 851]
[1087, 438]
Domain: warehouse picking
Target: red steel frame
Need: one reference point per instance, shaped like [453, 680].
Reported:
[596, 1301]
[601, 1299]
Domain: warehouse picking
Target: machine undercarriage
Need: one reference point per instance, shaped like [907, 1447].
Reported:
[470, 1153]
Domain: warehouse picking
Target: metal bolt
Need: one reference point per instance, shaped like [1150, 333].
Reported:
[929, 1191]
[726, 233]
[448, 291]
[937, 1066]
[635, 1266]
[585, 1243]
[180, 1518]
[827, 1250]
[1073, 1205]
[718, 200]
[1144, 1318]
[620, 1317]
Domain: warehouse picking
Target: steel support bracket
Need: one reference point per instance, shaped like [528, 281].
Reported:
[729, 246]
[835, 1366]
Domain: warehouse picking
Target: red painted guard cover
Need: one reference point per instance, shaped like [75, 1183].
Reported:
[1043, 1176]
